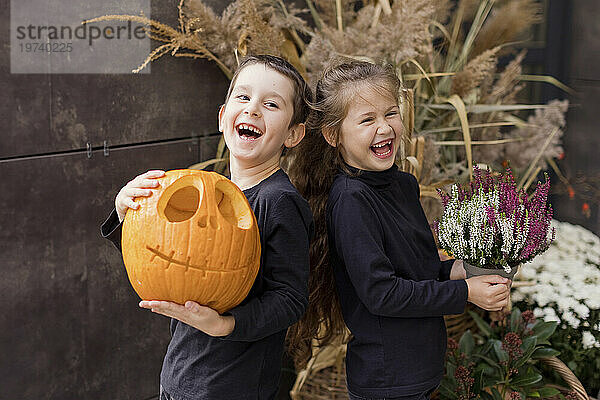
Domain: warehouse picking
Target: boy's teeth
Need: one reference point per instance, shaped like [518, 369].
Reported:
[250, 128]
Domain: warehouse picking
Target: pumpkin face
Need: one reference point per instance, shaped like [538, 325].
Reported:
[195, 238]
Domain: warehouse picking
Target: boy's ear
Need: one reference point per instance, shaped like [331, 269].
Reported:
[296, 134]
[329, 137]
[221, 112]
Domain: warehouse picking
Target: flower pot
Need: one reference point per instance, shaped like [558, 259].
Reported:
[472, 270]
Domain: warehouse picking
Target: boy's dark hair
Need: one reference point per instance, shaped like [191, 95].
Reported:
[302, 93]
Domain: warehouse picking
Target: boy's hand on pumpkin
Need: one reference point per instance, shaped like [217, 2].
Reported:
[138, 187]
[193, 314]
[490, 292]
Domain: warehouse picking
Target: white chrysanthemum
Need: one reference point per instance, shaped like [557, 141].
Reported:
[589, 340]
[547, 314]
[581, 310]
[566, 277]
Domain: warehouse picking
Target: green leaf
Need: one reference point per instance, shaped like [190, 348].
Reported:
[450, 368]
[530, 378]
[543, 330]
[490, 371]
[466, 343]
[486, 396]
[486, 348]
[515, 320]
[496, 394]
[528, 347]
[478, 384]
[483, 326]
[491, 362]
[500, 353]
[544, 352]
[548, 392]
[447, 392]
[534, 394]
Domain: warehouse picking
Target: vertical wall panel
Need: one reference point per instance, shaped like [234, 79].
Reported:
[71, 325]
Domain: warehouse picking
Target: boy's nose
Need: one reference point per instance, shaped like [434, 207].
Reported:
[252, 111]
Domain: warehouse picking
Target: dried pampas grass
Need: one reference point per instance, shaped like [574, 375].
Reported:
[478, 70]
[506, 23]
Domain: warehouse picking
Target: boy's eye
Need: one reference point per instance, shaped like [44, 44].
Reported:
[243, 97]
[271, 104]
[369, 119]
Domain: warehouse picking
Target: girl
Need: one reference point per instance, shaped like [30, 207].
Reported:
[374, 244]
[238, 355]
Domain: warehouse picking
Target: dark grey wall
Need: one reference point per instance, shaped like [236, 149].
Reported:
[575, 59]
[71, 327]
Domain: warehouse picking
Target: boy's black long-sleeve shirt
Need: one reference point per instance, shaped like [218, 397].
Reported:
[246, 364]
[392, 287]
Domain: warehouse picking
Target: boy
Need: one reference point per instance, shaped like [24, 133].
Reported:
[237, 355]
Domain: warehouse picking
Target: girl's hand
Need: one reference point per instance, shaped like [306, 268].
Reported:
[490, 292]
[458, 271]
[137, 187]
[200, 317]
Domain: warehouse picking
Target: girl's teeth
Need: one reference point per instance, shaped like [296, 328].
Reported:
[382, 144]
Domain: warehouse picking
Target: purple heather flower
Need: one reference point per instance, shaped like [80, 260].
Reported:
[512, 223]
[491, 215]
[444, 196]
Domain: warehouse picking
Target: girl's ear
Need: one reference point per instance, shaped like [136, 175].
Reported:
[329, 137]
[221, 113]
[296, 134]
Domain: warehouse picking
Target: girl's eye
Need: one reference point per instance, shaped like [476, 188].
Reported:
[392, 113]
[243, 97]
[366, 120]
[271, 104]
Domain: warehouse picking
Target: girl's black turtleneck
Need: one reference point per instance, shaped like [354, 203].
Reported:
[393, 288]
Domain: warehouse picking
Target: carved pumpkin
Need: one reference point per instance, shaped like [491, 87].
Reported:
[195, 238]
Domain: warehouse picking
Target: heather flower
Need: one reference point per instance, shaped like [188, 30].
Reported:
[491, 224]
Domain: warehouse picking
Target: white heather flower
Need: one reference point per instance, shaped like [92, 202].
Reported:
[589, 340]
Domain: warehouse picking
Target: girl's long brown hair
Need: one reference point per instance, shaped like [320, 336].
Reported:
[313, 166]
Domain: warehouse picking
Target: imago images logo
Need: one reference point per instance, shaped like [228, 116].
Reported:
[49, 36]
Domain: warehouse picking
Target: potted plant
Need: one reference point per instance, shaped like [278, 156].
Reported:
[494, 226]
[501, 362]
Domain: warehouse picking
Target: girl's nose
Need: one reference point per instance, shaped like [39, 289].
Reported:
[384, 128]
